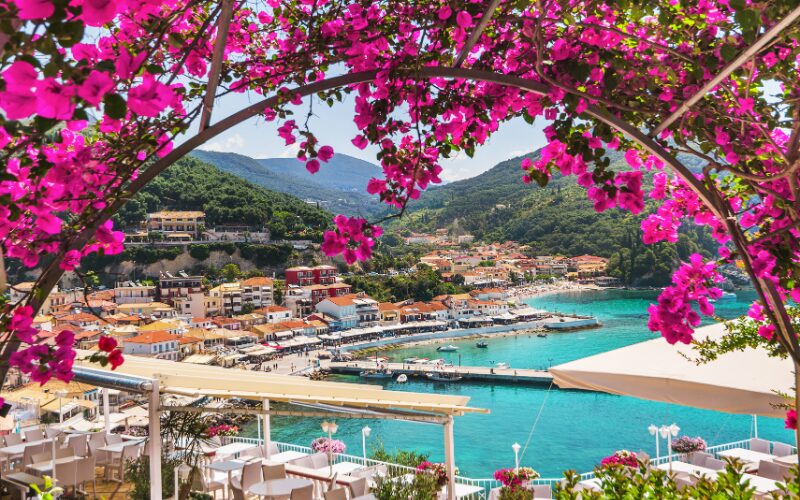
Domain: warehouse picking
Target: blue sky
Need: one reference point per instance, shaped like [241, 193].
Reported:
[334, 126]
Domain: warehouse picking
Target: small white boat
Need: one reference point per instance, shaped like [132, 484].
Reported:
[502, 366]
[412, 359]
[402, 378]
[443, 377]
[728, 296]
[447, 348]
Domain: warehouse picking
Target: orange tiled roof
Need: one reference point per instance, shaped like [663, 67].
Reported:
[152, 337]
[258, 281]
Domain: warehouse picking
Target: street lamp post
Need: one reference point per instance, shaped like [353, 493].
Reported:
[330, 428]
[653, 430]
[364, 435]
[516, 448]
[668, 432]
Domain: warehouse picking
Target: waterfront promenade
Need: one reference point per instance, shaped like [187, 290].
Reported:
[468, 373]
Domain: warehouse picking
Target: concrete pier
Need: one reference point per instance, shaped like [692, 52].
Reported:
[469, 373]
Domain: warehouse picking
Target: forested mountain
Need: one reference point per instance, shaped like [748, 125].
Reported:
[339, 186]
[557, 219]
[191, 184]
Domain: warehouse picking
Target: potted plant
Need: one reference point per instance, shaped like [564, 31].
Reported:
[684, 446]
[438, 470]
[222, 430]
[621, 458]
[515, 482]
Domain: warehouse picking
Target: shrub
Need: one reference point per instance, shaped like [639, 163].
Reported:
[137, 472]
[422, 487]
[199, 252]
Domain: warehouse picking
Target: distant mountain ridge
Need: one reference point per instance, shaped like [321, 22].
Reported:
[339, 186]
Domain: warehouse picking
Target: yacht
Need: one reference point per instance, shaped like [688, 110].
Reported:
[447, 348]
[481, 344]
[443, 377]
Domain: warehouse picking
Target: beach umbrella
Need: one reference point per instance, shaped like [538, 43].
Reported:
[742, 382]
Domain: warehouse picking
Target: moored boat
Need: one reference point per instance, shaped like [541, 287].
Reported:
[502, 366]
[402, 378]
[447, 348]
[481, 344]
[444, 377]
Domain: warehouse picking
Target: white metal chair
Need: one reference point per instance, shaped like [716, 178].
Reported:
[34, 435]
[359, 487]
[238, 493]
[336, 494]
[774, 471]
[714, 463]
[78, 443]
[303, 493]
[65, 474]
[699, 458]
[542, 491]
[251, 474]
[759, 445]
[113, 439]
[319, 460]
[12, 439]
[211, 486]
[52, 432]
[273, 471]
[781, 449]
[84, 473]
[129, 453]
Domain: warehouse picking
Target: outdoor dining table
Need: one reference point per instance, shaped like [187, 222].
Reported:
[232, 449]
[342, 468]
[117, 447]
[278, 488]
[227, 466]
[46, 466]
[761, 484]
[749, 457]
[687, 468]
[17, 449]
[787, 460]
[286, 456]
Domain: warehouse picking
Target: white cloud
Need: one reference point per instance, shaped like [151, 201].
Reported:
[231, 144]
[291, 151]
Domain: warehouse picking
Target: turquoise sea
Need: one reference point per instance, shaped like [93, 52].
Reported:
[562, 429]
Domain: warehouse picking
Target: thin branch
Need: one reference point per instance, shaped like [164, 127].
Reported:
[216, 62]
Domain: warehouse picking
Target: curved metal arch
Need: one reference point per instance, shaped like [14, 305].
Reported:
[426, 73]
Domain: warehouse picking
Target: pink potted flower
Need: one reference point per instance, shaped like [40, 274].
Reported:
[436, 469]
[621, 458]
[325, 445]
[514, 479]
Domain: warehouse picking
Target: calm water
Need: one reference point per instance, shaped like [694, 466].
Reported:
[563, 429]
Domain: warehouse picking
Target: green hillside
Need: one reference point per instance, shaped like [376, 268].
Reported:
[557, 219]
[191, 184]
[287, 175]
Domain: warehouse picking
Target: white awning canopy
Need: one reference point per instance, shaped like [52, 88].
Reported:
[186, 379]
[743, 382]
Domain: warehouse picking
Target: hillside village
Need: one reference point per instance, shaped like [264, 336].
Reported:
[181, 317]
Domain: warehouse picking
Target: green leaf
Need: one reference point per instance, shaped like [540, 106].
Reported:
[115, 106]
[728, 52]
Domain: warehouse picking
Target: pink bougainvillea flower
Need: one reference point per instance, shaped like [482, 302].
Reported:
[150, 98]
[791, 419]
[99, 12]
[35, 9]
[107, 343]
[115, 358]
[312, 166]
[95, 87]
[325, 153]
[54, 100]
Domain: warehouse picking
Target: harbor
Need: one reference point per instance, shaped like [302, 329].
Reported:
[420, 370]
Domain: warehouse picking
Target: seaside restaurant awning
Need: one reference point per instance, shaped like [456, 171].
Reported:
[158, 378]
[742, 382]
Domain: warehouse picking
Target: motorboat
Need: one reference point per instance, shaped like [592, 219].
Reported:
[481, 344]
[412, 359]
[444, 377]
[502, 366]
[542, 335]
[376, 374]
[402, 378]
[447, 348]
[728, 296]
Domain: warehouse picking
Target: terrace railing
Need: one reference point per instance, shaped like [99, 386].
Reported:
[486, 484]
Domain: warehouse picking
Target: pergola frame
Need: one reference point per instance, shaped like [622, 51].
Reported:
[156, 385]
